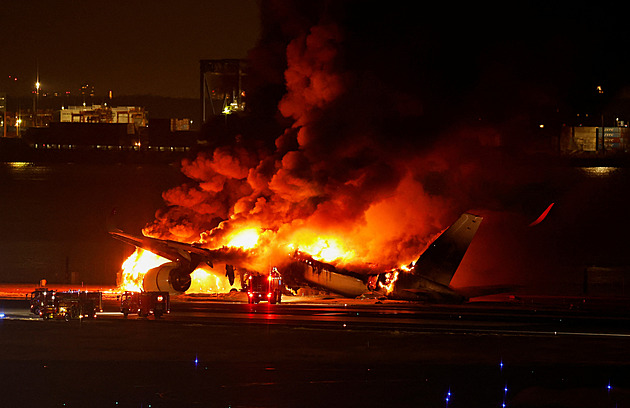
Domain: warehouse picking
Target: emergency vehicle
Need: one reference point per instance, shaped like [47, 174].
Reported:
[265, 287]
[73, 304]
[145, 303]
[39, 298]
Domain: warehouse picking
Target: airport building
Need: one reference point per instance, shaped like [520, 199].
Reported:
[594, 140]
[137, 116]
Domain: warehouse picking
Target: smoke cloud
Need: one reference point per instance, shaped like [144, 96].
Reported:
[370, 157]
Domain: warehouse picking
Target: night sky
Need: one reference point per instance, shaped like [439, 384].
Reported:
[473, 60]
[130, 47]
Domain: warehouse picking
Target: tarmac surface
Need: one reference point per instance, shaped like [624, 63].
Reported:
[217, 351]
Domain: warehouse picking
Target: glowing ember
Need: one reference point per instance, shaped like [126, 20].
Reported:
[390, 279]
[246, 239]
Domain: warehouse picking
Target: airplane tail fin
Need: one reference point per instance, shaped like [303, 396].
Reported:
[441, 259]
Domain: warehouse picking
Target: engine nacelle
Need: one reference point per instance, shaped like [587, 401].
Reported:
[168, 277]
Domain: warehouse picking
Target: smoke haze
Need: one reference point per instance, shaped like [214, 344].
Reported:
[396, 124]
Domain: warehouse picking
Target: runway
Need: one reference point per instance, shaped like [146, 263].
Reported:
[378, 315]
[322, 352]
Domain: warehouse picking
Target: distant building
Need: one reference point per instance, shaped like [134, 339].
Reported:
[131, 115]
[180, 125]
[595, 140]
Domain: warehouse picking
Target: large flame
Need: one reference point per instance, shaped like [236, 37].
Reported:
[203, 281]
[135, 267]
[322, 248]
[325, 249]
[246, 238]
[141, 261]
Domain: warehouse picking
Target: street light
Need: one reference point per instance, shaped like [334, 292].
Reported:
[37, 85]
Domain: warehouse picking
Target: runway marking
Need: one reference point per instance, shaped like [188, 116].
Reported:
[535, 333]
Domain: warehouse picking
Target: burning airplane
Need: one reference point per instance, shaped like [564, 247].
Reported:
[337, 198]
[427, 279]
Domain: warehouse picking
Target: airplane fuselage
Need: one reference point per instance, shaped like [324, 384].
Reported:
[344, 285]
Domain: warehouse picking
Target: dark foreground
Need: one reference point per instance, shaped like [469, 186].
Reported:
[201, 362]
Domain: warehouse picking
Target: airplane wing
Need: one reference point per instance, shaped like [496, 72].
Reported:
[174, 251]
[171, 250]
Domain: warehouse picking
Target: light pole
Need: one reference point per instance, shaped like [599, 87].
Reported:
[37, 85]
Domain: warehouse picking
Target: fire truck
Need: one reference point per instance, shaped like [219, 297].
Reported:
[265, 287]
[40, 298]
[145, 303]
[73, 304]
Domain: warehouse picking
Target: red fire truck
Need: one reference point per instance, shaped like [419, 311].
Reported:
[40, 298]
[72, 304]
[145, 303]
[265, 287]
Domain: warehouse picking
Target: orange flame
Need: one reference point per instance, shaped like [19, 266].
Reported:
[390, 279]
[205, 280]
[325, 249]
[135, 267]
[245, 238]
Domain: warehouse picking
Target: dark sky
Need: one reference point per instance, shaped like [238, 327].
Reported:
[476, 55]
[467, 61]
[130, 47]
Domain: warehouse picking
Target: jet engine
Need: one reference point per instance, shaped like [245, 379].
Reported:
[169, 277]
